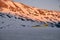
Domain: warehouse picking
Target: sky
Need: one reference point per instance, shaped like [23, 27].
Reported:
[43, 4]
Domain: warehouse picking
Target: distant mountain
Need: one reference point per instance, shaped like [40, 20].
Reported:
[24, 12]
[20, 9]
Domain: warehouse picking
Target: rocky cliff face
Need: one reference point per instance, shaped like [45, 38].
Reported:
[20, 9]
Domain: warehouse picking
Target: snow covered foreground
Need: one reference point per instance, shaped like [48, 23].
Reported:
[17, 29]
[30, 34]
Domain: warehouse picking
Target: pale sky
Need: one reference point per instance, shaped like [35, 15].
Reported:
[44, 4]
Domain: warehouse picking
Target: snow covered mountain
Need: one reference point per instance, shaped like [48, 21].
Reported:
[20, 9]
[20, 14]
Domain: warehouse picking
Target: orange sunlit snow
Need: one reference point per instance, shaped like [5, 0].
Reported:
[33, 13]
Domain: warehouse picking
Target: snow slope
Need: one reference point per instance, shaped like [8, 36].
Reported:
[15, 28]
[14, 21]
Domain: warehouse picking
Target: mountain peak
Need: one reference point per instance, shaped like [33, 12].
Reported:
[20, 9]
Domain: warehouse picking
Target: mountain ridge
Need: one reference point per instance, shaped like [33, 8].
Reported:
[20, 9]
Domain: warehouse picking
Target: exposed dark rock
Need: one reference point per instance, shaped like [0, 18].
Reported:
[27, 19]
[22, 19]
[37, 25]
[42, 22]
[30, 20]
[58, 22]
[2, 15]
[8, 15]
[58, 25]
[1, 27]
[23, 25]
[15, 17]
[19, 18]
[52, 25]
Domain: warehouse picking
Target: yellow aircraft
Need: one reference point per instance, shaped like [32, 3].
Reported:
[37, 26]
